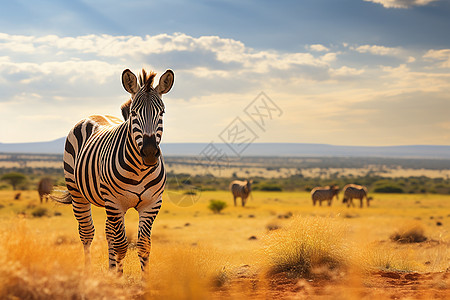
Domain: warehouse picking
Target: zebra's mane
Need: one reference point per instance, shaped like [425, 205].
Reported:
[146, 79]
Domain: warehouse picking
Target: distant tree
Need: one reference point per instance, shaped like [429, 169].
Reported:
[14, 179]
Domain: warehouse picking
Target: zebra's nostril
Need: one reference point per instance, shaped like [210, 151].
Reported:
[150, 150]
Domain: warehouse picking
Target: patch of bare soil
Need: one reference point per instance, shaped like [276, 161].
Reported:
[376, 285]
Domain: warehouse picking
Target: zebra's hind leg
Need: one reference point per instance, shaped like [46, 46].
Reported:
[116, 237]
[82, 212]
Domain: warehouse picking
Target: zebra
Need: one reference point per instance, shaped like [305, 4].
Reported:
[324, 194]
[118, 165]
[45, 187]
[241, 189]
[355, 191]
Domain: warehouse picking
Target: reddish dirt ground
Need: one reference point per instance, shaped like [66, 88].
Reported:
[377, 285]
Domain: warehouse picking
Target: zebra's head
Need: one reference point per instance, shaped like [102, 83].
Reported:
[248, 186]
[335, 190]
[145, 111]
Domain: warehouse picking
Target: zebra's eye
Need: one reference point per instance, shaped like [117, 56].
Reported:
[133, 113]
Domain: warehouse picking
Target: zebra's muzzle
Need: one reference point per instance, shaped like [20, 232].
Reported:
[150, 151]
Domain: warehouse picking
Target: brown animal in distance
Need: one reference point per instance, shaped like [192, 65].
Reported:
[319, 194]
[45, 187]
[354, 191]
[241, 189]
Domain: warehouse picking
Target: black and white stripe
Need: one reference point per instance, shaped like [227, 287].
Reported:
[241, 189]
[324, 194]
[117, 165]
[354, 191]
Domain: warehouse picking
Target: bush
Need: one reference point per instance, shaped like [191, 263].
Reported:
[190, 192]
[39, 212]
[410, 233]
[216, 206]
[270, 187]
[307, 244]
[388, 189]
[273, 226]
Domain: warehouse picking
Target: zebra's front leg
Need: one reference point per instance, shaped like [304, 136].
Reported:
[144, 244]
[116, 237]
[86, 230]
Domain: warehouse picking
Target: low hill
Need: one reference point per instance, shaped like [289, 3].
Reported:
[258, 149]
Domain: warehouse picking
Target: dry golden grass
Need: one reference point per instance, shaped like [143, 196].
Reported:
[412, 232]
[307, 243]
[34, 266]
[200, 255]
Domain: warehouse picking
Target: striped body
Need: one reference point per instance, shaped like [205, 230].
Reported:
[100, 163]
[354, 191]
[324, 194]
[241, 189]
[118, 165]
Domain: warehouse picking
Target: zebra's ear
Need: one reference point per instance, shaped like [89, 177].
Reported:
[129, 82]
[165, 82]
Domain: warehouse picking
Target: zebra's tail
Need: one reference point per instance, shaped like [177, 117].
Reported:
[66, 198]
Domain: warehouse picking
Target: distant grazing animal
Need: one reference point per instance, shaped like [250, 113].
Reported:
[241, 189]
[45, 187]
[354, 191]
[17, 196]
[118, 165]
[324, 194]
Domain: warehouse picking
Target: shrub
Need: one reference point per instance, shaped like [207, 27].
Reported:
[216, 206]
[270, 187]
[388, 186]
[388, 189]
[190, 192]
[306, 244]
[39, 212]
[273, 226]
[382, 257]
[410, 233]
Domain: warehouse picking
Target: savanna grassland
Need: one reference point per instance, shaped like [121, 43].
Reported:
[278, 246]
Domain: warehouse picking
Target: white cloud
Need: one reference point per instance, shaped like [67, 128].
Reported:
[402, 3]
[55, 81]
[346, 71]
[318, 48]
[377, 50]
[133, 49]
[411, 59]
[443, 56]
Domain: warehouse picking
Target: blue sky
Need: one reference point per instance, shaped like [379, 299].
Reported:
[348, 72]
